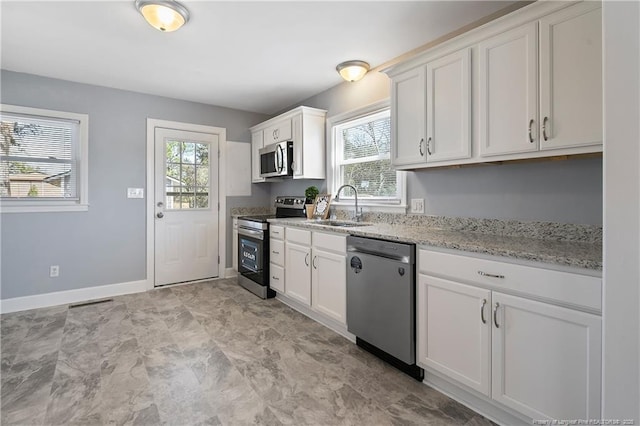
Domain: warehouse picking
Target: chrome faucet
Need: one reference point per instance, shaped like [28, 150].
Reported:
[355, 193]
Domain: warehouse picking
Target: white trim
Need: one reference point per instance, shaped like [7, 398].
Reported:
[230, 273]
[390, 206]
[221, 132]
[42, 206]
[45, 300]
[317, 317]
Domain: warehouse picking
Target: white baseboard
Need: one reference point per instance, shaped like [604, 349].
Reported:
[327, 322]
[70, 296]
[230, 273]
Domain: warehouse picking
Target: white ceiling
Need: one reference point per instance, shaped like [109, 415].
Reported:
[257, 56]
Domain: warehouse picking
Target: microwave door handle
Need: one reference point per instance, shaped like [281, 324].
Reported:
[280, 156]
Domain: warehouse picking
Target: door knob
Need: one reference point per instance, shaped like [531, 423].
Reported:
[160, 215]
[160, 204]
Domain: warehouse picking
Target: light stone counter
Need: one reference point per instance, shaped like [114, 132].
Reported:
[586, 252]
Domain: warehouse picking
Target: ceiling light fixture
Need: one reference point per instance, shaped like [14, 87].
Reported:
[163, 15]
[352, 70]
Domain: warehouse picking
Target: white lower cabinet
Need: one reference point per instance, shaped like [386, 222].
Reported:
[298, 272]
[546, 359]
[535, 358]
[315, 271]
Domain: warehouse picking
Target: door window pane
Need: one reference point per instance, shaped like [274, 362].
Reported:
[187, 175]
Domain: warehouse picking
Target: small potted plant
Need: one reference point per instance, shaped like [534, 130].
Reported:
[310, 193]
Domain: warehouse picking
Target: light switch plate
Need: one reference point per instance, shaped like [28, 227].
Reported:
[135, 192]
[417, 205]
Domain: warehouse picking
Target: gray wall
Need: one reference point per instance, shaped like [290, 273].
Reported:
[558, 191]
[106, 244]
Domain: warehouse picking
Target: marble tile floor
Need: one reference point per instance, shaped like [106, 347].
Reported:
[201, 354]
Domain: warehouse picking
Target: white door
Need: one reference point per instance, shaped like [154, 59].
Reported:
[297, 274]
[571, 77]
[545, 359]
[329, 282]
[408, 118]
[508, 98]
[449, 107]
[454, 331]
[185, 206]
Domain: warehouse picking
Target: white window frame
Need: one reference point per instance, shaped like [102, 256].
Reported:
[34, 205]
[395, 205]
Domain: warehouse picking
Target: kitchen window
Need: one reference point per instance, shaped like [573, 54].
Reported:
[43, 160]
[361, 143]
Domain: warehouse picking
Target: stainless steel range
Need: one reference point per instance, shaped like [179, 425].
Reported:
[253, 245]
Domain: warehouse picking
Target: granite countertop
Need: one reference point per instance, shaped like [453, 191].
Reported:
[578, 254]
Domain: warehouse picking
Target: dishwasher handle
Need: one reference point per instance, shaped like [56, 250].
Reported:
[391, 256]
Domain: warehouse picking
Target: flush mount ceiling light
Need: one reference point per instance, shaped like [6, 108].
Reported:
[164, 15]
[352, 70]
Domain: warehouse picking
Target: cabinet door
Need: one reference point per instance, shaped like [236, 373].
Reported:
[278, 132]
[297, 274]
[276, 281]
[508, 93]
[329, 283]
[408, 118]
[256, 145]
[571, 77]
[545, 359]
[454, 331]
[449, 107]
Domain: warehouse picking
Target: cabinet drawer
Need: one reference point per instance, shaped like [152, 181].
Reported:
[276, 232]
[276, 254]
[330, 242]
[299, 236]
[571, 289]
[276, 280]
[281, 131]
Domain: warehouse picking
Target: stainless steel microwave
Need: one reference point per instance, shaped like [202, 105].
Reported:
[276, 159]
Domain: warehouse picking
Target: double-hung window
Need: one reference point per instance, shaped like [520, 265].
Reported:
[43, 160]
[361, 142]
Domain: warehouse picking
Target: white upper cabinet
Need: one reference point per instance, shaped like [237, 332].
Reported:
[256, 145]
[527, 85]
[408, 118]
[508, 105]
[571, 77]
[449, 107]
[306, 128]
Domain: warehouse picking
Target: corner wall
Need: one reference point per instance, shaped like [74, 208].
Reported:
[107, 244]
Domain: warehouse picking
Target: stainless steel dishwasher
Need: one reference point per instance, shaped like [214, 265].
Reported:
[381, 277]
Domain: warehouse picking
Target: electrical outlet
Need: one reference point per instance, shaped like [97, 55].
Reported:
[417, 205]
[54, 271]
[135, 192]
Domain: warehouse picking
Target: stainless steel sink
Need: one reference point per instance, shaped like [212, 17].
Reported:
[341, 223]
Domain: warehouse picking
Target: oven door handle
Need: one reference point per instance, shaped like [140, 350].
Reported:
[251, 233]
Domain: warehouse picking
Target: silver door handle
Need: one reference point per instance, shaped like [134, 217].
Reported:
[160, 204]
[314, 262]
[484, 302]
[530, 130]
[429, 145]
[420, 147]
[160, 215]
[485, 274]
[544, 128]
[306, 259]
[495, 314]
[251, 233]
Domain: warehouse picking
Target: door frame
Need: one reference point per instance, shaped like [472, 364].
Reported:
[221, 132]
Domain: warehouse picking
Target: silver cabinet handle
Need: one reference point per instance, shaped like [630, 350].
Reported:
[273, 277]
[420, 147]
[484, 302]
[530, 130]
[160, 215]
[485, 274]
[314, 262]
[495, 314]
[544, 128]
[429, 145]
[306, 259]
[275, 252]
